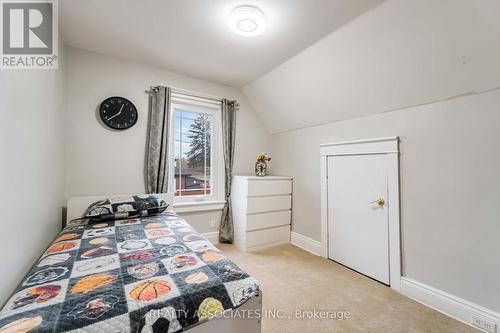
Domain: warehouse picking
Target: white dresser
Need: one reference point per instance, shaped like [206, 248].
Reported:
[261, 211]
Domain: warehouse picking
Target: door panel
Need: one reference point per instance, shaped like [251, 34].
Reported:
[358, 227]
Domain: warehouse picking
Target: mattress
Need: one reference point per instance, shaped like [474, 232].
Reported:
[152, 274]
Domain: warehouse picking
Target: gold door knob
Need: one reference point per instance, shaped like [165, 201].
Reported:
[380, 202]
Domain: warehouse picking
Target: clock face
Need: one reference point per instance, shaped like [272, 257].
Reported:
[118, 113]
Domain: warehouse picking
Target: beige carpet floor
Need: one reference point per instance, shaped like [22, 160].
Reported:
[292, 279]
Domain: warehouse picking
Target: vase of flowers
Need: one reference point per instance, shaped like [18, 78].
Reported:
[261, 164]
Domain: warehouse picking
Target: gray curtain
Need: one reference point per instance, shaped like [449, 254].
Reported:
[158, 147]
[226, 230]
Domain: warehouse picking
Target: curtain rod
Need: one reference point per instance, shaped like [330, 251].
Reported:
[191, 94]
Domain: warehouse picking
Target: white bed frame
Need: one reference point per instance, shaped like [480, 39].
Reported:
[228, 324]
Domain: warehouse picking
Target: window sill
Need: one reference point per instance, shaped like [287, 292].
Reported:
[188, 207]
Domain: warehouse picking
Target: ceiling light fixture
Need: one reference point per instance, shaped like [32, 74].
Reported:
[247, 21]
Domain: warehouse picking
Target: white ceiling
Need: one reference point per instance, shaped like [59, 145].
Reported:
[401, 54]
[191, 36]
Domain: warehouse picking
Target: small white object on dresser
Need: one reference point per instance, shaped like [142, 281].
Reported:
[262, 211]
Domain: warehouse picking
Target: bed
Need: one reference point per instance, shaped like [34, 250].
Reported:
[145, 274]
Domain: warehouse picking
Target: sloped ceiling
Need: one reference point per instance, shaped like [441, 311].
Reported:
[191, 36]
[400, 54]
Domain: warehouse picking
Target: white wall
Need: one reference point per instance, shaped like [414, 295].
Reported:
[450, 188]
[100, 161]
[31, 168]
[400, 55]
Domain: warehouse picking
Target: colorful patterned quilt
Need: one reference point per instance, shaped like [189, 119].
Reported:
[153, 274]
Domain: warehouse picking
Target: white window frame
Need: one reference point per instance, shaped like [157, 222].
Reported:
[216, 199]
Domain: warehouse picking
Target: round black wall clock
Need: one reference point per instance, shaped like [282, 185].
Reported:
[118, 113]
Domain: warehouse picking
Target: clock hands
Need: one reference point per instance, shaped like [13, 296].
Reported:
[119, 112]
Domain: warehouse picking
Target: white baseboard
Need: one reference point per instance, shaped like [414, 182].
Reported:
[448, 304]
[213, 237]
[306, 243]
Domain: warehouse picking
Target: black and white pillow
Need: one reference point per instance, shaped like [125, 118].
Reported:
[123, 207]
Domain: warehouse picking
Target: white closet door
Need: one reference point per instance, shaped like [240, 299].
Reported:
[358, 225]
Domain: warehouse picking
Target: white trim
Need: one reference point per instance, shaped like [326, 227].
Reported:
[446, 303]
[389, 146]
[213, 237]
[389, 138]
[373, 146]
[393, 199]
[324, 206]
[201, 206]
[195, 94]
[305, 243]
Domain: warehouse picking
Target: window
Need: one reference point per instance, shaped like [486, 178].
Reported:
[193, 141]
[198, 172]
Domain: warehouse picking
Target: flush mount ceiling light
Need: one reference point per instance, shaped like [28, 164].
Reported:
[247, 21]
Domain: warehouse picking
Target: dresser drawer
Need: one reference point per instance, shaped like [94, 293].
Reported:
[273, 236]
[269, 187]
[269, 204]
[268, 220]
